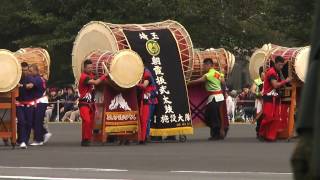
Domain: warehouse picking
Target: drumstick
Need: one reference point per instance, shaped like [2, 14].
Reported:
[105, 68]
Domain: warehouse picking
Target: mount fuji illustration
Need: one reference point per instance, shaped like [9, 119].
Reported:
[119, 102]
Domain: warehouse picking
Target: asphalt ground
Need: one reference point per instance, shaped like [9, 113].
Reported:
[239, 156]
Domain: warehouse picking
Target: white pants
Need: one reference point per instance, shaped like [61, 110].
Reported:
[258, 105]
[72, 116]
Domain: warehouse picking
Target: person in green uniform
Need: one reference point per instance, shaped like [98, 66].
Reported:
[213, 81]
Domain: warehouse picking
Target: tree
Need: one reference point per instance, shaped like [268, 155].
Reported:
[54, 24]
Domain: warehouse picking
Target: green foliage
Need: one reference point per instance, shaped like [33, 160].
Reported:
[53, 24]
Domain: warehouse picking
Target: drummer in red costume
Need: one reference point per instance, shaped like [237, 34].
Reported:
[271, 101]
[148, 100]
[86, 100]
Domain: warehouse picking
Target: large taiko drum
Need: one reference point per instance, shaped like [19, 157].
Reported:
[37, 56]
[125, 67]
[258, 59]
[296, 58]
[10, 73]
[110, 37]
[225, 60]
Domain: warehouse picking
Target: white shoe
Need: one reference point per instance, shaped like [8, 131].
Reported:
[36, 144]
[23, 145]
[47, 136]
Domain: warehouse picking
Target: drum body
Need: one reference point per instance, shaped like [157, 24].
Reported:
[103, 36]
[225, 60]
[10, 73]
[297, 60]
[125, 67]
[37, 56]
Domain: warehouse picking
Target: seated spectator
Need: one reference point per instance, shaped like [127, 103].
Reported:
[246, 101]
[53, 97]
[57, 97]
[73, 115]
[68, 103]
[231, 105]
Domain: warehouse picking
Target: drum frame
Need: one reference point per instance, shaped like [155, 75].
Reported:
[9, 104]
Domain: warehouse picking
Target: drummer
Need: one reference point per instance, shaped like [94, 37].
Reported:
[148, 100]
[87, 82]
[256, 88]
[41, 134]
[25, 105]
[213, 81]
[271, 101]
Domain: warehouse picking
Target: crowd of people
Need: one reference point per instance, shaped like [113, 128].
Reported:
[241, 105]
[63, 105]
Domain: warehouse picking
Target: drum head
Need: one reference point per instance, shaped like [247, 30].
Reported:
[93, 36]
[231, 61]
[301, 63]
[126, 68]
[223, 57]
[46, 54]
[46, 57]
[48, 60]
[256, 61]
[10, 73]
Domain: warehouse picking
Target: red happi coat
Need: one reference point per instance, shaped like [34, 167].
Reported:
[86, 106]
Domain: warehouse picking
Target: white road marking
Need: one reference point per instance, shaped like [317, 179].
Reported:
[226, 172]
[48, 178]
[70, 169]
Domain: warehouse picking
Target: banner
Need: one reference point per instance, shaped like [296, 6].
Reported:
[121, 113]
[159, 51]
